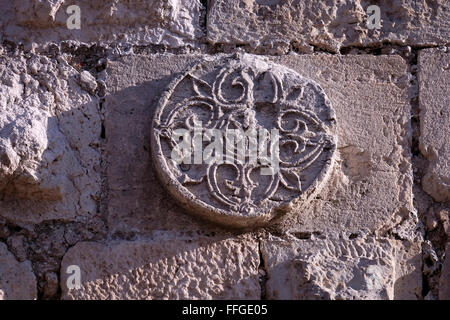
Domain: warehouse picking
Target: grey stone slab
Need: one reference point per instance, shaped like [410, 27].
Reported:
[137, 200]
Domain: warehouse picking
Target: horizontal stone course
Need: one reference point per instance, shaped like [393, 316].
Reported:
[371, 269]
[370, 187]
[164, 269]
[276, 26]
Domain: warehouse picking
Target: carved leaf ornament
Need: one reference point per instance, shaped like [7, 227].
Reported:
[264, 139]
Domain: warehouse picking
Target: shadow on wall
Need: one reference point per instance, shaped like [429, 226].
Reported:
[137, 202]
[230, 268]
[49, 149]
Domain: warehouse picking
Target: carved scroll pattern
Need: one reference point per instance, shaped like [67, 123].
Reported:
[230, 103]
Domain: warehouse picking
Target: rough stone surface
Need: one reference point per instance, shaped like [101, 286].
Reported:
[17, 281]
[342, 269]
[49, 136]
[434, 83]
[444, 285]
[78, 183]
[278, 25]
[171, 23]
[247, 94]
[165, 269]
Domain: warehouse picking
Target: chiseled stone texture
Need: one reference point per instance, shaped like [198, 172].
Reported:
[17, 280]
[49, 136]
[342, 269]
[331, 24]
[165, 269]
[444, 283]
[434, 87]
[173, 23]
[370, 187]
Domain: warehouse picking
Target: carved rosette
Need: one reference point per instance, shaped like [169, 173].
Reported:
[246, 92]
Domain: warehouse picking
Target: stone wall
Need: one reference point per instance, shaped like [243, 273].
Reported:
[82, 185]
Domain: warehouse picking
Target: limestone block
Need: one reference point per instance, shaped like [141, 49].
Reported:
[49, 138]
[434, 85]
[342, 269]
[370, 187]
[330, 25]
[172, 23]
[165, 269]
[17, 280]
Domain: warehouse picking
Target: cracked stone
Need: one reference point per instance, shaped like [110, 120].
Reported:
[17, 247]
[444, 217]
[51, 284]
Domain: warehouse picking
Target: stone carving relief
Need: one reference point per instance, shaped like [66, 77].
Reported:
[295, 123]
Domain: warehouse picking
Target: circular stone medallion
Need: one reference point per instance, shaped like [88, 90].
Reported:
[239, 139]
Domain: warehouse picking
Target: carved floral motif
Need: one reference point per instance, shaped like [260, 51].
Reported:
[247, 93]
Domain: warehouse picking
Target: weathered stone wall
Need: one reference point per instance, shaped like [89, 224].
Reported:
[80, 183]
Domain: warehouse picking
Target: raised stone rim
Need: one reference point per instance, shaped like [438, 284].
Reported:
[226, 218]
